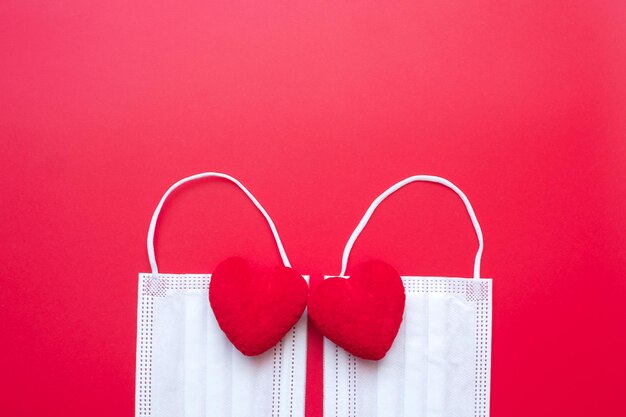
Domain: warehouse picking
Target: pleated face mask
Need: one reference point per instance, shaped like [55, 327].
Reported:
[439, 363]
[231, 343]
[234, 342]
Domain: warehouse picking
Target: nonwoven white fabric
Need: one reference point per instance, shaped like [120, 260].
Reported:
[440, 362]
[186, 367]
[438, 365]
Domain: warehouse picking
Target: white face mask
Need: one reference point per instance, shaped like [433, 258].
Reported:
[185, 364]
[439, 364]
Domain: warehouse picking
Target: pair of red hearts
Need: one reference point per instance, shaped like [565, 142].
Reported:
[256, 308]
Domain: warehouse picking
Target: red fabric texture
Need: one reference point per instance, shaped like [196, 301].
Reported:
[363, 313]
[256, 307]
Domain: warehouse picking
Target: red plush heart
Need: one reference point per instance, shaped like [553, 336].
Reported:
[255, 308]
[363, 313]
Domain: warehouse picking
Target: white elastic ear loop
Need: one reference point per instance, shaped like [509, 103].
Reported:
[396, 187]
[155, 216]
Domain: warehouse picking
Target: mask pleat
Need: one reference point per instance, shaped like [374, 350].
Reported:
[218, 365]
[282, 382]
[343, 358]
[391, 379]
[167, 375]
[251, 384]
[416, 354]
[460, 370]
[367, 388]
[194, 324]
[436, 354]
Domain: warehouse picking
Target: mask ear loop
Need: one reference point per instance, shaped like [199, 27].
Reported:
[396, 187]
[157, 211]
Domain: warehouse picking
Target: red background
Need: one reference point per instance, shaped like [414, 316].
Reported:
[317, 107]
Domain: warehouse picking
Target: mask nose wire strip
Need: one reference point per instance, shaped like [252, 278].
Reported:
[396, 187]
[157, 211]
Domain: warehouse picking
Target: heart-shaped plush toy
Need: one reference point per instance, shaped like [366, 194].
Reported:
[363, 313]
[255, 308]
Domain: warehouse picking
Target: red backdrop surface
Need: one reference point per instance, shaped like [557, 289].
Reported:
[316, 107]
